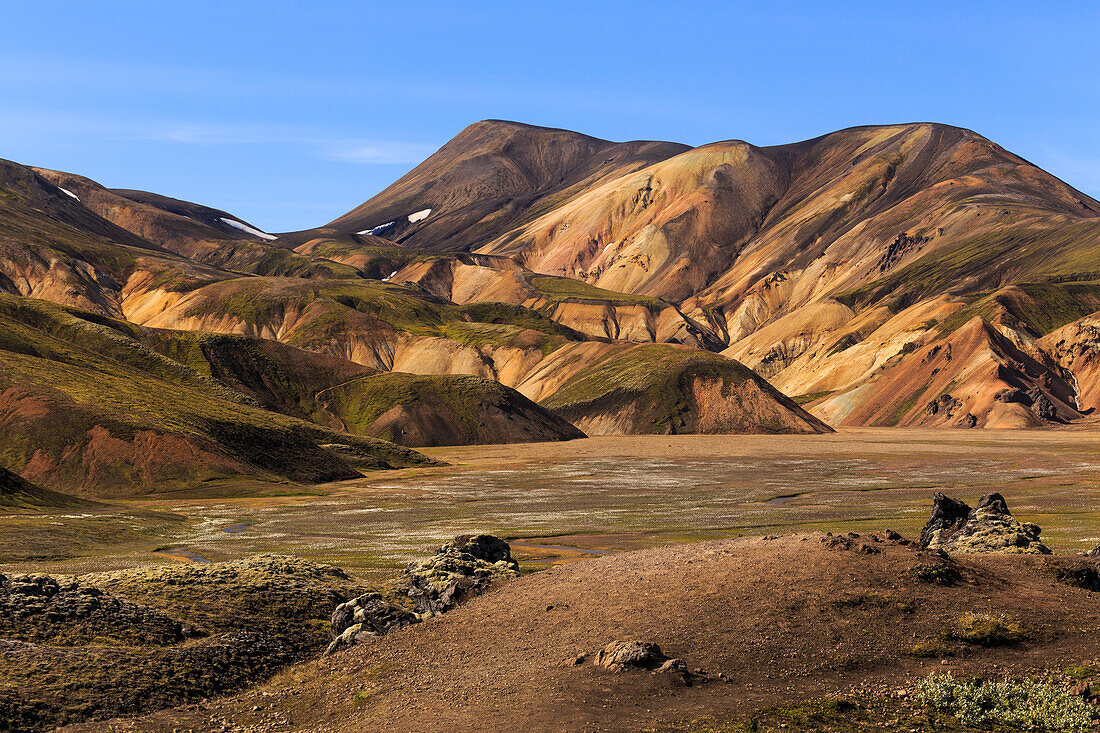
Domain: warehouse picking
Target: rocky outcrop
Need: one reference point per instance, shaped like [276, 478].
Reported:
[460, 569]
[947, 515]
[464, 567]
[987, 528]
[367, 617]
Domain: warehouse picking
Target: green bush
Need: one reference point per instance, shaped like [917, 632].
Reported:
[1028, 704]
[987, 630]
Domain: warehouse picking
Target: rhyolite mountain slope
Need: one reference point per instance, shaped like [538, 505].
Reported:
[821, 264]
[489, 178]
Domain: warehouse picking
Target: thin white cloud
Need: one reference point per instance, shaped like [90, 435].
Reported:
[317, 143]
[379, 152]
[365, 152]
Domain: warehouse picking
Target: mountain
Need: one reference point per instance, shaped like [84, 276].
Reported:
[490, 178]
[908, 275]
[826, 265]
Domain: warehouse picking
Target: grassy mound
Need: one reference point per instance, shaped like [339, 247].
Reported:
[656, 385]
[420, 410]
[18, 494]
[89, 408]
[127, 642]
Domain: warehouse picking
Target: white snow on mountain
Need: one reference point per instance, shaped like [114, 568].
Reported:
[378, 228]
[247, 229]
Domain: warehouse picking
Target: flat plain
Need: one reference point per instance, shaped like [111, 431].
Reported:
[560, 501]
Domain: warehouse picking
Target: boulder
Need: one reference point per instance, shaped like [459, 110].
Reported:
[622, 655]
[987, 528]
[367, 617]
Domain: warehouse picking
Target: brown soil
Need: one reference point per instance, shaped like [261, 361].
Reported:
[769, 619]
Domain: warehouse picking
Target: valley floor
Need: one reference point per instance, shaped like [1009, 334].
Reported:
[560, 501]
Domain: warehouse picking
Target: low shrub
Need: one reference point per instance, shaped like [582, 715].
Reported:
[1028, 704]
[984, 629]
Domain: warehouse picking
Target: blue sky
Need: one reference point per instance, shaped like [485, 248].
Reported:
[290, 113]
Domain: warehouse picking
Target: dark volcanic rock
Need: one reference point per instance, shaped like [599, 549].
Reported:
[988, 527]
[464, 567]
[947, 514]
[460, 569]
[366, 617]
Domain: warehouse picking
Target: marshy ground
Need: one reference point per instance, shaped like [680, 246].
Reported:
[559, 501]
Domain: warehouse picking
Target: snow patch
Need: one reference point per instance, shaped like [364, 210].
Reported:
[418, 215]
[248, 230]
[67, 192]
[386, 279]
[378, 228]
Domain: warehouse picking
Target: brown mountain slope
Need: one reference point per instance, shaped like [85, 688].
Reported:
[53, 247]
[490, 177]
[665, 389]
[769, 621]
[194, 231]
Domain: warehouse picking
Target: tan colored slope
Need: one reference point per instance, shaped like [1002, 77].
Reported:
[666, 230]
[1076, 347]
[973, 377]
[771, 621]
[826, 215]
[590, 310]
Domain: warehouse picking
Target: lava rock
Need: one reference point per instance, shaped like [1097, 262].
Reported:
[947, 515]
[622, 655]
[462, 568]
[366, 617]
[987, 528]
